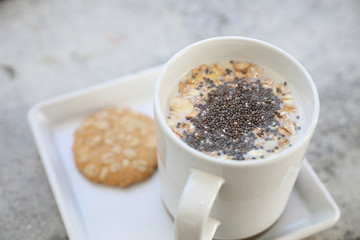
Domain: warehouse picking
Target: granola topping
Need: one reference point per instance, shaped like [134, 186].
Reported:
[234, 111]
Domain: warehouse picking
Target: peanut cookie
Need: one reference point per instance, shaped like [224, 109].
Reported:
[116, 147]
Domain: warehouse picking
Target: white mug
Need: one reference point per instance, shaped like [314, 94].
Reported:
[228, 199]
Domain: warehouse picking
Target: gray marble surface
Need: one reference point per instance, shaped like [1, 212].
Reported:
[48, 48]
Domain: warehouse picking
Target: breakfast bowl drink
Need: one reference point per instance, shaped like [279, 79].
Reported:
[234, 117]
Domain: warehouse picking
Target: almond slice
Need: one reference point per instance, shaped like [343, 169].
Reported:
[194, 92]
[289, 108]
[181, 105]
[283, 142]
[287, 100]
[241, 66]
[193, 114]
[285, 131]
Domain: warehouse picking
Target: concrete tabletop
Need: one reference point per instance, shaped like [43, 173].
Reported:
[48, 48]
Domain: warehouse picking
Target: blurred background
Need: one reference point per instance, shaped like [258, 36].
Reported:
[48, 48]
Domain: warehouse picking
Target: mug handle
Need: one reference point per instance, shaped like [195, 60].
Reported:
[192, 220]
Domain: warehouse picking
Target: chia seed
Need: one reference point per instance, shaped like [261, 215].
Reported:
[216, 125]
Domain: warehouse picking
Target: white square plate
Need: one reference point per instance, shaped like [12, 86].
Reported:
[91, 211]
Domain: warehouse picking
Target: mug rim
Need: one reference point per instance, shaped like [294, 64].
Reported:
[267, 160]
